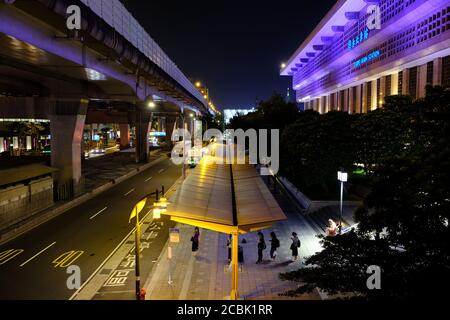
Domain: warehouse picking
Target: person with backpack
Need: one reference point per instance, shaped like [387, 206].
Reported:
[261, 246]
[274, 245]
[195, 240]
[294, 246]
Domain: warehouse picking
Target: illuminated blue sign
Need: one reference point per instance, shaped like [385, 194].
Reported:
[367, 58]
[363, 36]
[157, 134]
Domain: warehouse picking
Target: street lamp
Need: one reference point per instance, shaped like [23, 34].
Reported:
[137, 236]
[342, 177]
[160, 206]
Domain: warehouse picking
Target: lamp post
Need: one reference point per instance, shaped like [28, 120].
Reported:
[137, 236]
[160, 206]
[342, 177]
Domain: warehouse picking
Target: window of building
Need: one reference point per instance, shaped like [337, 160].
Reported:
[400, 83]
[430, 66]
[369, 96]
[446, 71]
[388, 86]
[378, 93]
[413, 82]
[361, 98]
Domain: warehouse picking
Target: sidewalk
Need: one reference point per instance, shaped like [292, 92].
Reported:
[206, 275]
[100, 170]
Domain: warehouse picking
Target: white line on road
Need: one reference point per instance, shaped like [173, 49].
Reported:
[73, 296]
[129, 192]
[160, 170]
[37, 254]
[148, 179]
[98, 213]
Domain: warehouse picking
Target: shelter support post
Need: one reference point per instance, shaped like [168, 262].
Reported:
[234, 266]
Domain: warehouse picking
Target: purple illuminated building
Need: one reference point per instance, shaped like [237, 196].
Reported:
[344, 65]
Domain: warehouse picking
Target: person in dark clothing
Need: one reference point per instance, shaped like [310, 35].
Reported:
[274, 244]
[295, 245]
[195, 239]
[261, 246]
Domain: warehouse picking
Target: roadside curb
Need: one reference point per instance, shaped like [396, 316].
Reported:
[53, 213]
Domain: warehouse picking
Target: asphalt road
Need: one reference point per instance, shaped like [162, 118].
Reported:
[34, 265]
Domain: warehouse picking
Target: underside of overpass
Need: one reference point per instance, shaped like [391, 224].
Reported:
[91, 76]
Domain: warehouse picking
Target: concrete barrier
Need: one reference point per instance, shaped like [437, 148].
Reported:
[21, 201]
[297, 194]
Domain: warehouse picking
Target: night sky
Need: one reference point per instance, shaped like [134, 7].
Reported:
[234, 47]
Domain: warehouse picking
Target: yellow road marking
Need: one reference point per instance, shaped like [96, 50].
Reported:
[66, 259]
[7, 255]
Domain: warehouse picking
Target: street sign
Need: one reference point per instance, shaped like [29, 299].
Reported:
[174, 235]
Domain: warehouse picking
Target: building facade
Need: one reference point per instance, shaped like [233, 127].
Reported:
[347, 64]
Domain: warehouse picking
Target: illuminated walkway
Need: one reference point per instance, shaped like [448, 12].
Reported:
[207, 276]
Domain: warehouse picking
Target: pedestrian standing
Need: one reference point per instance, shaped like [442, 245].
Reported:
[195, 239]
[295, 245]
[261, 246]
[274, 245]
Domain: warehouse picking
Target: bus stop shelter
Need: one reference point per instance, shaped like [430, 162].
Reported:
[231, 199]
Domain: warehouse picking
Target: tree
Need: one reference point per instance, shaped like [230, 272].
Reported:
[274, 113]
[378, 135]
[403, 225]
[314, 148]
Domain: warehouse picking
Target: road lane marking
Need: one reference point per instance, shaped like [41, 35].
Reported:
[129, 192]
[148, 179]
[7, 255]
[98, 213]
[93, 274]
[160, 170]
[37, 254]
[67, 258]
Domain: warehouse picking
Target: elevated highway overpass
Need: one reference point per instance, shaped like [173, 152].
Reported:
[111, 65]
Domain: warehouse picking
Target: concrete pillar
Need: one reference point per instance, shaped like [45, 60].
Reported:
[374, 102]
[124, 135]
[364, 106]
[437, 72]
[394, 84]
[327, 103]
[336, 100]
[421, 80]
[346, 101]
[405, 86]
[170, 123]
[351, 102]
[143, 120]
[66, 127]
